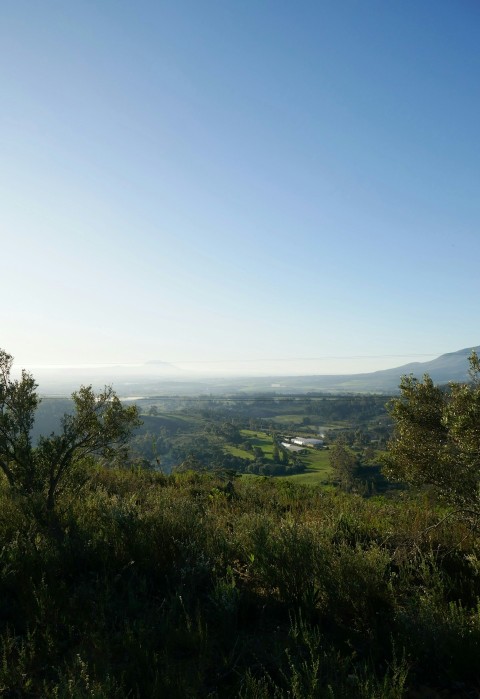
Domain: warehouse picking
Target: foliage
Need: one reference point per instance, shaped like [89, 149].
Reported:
[437, 437]
[199, 584]
[344, 465]
[214, 429]
[191, 585]
[98, 426]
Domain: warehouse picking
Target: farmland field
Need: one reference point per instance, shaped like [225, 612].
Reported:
[317, 462]
[242, 453]
[318, 468]
[244, 434]
[257, 438]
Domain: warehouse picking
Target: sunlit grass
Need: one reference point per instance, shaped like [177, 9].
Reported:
[236, 451]
[257, 438]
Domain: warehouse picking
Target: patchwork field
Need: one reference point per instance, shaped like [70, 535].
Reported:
[317, 462]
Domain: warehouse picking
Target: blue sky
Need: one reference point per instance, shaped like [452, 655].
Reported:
[239, 182]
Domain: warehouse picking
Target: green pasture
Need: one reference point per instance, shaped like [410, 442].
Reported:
[317, 461]
[257, 438]
[242, 453]
[310, 477]
[318, 468]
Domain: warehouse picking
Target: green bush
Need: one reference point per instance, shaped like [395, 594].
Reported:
[179, 586]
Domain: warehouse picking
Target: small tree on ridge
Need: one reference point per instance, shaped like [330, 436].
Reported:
[98, 426]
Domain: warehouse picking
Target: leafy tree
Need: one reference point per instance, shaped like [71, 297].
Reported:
[99, 426]
[436, 438]
[344, 465]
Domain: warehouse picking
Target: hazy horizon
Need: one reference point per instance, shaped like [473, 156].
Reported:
[267, 367]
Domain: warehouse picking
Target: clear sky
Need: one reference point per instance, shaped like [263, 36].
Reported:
[201, 181]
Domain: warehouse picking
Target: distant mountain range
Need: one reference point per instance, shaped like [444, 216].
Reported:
[157, 377]
[452, 366]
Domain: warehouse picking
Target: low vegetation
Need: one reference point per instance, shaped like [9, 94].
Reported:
[184, 585]
[193, 584]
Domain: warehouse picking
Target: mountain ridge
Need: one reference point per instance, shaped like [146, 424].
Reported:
[451, 366]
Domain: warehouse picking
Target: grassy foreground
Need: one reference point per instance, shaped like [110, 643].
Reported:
[150, 586]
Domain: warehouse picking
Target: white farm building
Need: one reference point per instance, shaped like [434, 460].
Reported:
[308, 442]
[292, 447]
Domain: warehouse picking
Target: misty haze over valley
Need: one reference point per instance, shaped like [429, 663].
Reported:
[158, 377]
